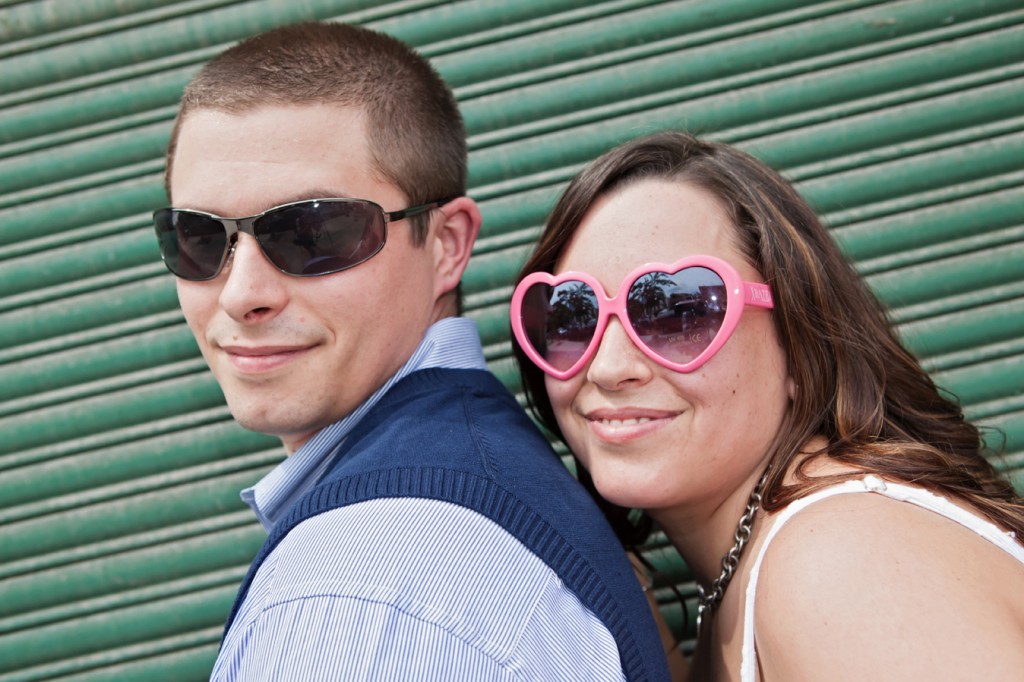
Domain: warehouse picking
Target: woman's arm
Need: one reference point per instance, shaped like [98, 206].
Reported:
[863, 587]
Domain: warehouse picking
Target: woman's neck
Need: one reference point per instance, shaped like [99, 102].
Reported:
[704, 533]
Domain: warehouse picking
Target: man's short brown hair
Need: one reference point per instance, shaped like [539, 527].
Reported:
[416, 137]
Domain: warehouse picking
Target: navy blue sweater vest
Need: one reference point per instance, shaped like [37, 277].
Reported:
[460, 437]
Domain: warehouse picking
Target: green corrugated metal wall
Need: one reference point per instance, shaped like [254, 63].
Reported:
[122, 538]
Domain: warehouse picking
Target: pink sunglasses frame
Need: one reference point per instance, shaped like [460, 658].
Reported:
[739, 294]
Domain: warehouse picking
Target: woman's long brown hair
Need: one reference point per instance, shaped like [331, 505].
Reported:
[856, 384]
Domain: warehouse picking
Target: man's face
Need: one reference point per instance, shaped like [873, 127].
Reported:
[294, 354]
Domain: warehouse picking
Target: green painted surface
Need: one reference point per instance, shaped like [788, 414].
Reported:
[122, 532]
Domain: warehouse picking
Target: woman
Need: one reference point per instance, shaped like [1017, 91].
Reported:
[741, 390]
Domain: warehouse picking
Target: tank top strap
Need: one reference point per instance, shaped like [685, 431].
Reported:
[868, 484]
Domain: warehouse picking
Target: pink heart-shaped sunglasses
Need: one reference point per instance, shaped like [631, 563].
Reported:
[679, 315]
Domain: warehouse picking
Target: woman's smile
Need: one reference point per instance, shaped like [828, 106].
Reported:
[624, 425]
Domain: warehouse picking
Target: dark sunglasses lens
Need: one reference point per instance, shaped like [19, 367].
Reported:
[677, 315]
[319, 237]
[560, 321]
[192, 245]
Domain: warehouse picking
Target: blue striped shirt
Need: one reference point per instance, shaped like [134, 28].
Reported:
[405, 588]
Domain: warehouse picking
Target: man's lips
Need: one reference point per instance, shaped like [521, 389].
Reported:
[256, 359]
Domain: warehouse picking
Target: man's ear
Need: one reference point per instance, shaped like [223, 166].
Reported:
[453, 243]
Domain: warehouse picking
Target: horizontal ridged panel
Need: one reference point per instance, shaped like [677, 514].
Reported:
[52, 485]
[122, 531]
[105, 630]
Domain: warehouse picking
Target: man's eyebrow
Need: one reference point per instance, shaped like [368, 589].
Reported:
[316, 193]
[305, 195]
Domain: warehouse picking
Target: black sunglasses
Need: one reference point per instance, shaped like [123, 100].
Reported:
[303, 238]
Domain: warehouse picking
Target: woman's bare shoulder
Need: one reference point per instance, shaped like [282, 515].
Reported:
[875, 588]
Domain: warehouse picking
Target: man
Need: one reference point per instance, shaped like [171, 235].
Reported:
[421, 528]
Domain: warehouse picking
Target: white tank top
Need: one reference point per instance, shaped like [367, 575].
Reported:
[868, 484]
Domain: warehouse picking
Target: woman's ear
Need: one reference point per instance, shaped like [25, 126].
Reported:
[453, 243]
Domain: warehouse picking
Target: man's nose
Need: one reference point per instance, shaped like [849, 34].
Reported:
[254, 289]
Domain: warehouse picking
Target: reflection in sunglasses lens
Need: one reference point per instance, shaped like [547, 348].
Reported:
[677, 315]
[560, 321]
[198, 244]
[320, 236]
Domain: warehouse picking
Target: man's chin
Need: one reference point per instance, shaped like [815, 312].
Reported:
[276, 420]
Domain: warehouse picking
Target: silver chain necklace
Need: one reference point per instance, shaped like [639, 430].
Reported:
[709, 600]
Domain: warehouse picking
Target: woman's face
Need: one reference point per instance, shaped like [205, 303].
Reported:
[653, 438]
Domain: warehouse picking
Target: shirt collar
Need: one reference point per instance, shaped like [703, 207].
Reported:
[451, 343]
